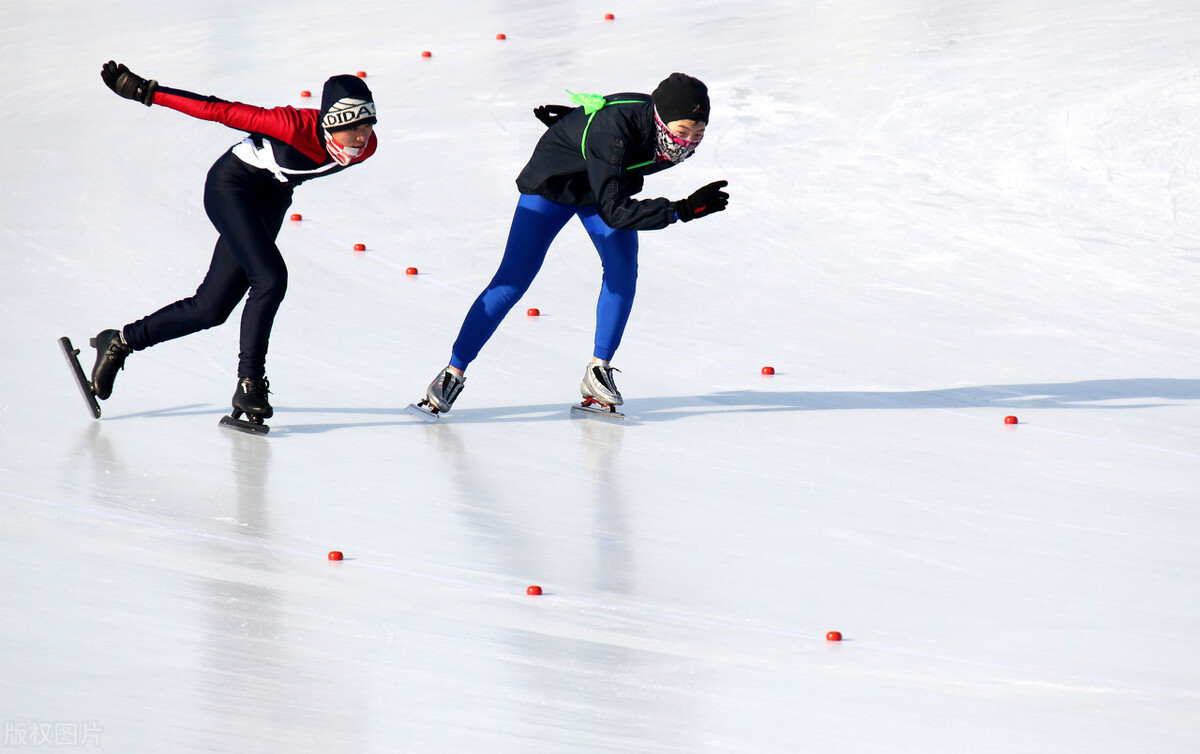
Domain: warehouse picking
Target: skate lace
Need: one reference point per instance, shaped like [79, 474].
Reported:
[451, 386]
[604, 376]
[256, 388]
[116, 351]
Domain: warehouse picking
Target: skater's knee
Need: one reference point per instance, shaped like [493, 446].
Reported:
[205, 313]
[271, 287]
[499, 299]
[621, 277]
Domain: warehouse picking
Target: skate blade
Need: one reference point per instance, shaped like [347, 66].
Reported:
[249, 426]
[85, 385]
[597, 411]
[426, 413]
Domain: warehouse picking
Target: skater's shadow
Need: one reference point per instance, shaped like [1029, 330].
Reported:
[1122, 394]
[192, 409]
[544, 412]
[283, 424]
[1091, 394]
[284, 427]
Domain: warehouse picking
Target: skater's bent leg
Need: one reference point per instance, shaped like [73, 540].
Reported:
[536, 222]
[223, 287]
[619, 255]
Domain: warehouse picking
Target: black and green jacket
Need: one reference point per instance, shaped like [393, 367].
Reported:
[606, 168]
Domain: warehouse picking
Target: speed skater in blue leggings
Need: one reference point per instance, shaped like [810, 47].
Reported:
[589, 164]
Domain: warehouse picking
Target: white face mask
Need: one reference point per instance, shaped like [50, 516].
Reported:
[342, 155]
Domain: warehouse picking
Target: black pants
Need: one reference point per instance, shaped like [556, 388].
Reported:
[248, 214]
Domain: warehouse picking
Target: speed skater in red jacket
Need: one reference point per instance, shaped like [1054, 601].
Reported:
[246, 196]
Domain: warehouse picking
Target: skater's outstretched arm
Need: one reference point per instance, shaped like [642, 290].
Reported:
[296, 127]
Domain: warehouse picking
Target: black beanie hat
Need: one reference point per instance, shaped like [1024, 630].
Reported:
[681, 97]
[346, 103]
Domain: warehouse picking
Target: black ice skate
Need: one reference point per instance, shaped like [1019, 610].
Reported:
[440, 395]
[85, 386]
[600, 394]
[250, 398]
[111, 351]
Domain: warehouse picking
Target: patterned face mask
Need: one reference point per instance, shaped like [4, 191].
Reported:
[669, 146]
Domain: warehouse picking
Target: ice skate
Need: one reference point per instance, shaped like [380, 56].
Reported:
[250, 398]
[600, 394]
[111, 351]
[440, 395]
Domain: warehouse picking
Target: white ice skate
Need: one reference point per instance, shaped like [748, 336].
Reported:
[440, 395]
[600, 394]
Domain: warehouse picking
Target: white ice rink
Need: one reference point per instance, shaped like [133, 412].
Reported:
[942, 213]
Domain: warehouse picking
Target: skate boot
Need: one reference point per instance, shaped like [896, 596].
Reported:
[600, 394]
[111, 351]
[251, 398]
[443, 390]
[598, 385]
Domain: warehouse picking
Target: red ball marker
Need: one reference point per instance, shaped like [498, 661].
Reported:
[305, 93]
[1010, 420]
[833, 636]
[534, 312]
[534, 590]
[361, 74]
[768, 370]
[296, 217]
[501, 36]
[360, 247]
[411, 271]
[335, 555]
[427, 54]
[609, 16]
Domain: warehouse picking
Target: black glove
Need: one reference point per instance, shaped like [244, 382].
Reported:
[127, 83]
[704, 201]
[549, 114]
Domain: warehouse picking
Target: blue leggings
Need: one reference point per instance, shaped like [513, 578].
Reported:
[248, 216]
[535, 224]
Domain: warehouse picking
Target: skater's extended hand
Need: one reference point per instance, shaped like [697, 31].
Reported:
[704, 201]
[127, 83]
[549, 114]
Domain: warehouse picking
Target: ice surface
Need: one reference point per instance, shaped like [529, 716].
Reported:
[942, 213]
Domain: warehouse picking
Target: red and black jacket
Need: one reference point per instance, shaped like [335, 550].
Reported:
[286, 145]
